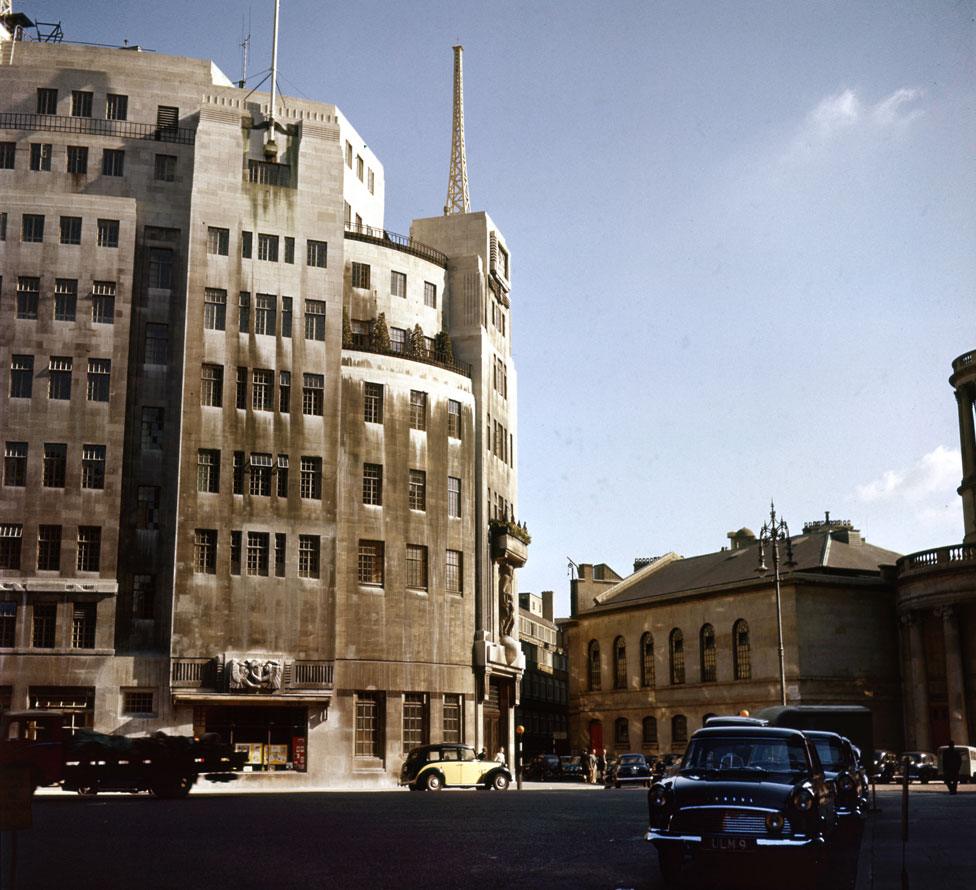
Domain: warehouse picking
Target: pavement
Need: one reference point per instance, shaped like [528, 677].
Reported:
[939, 854]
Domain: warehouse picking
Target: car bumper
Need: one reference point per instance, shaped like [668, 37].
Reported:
[657, 836]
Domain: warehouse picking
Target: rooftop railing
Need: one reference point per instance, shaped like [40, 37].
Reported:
[966, 360]
[360, 343]
[940, 557]
[373, 235]
[91, 126]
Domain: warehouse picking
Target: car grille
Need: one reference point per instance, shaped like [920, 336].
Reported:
[725, 821]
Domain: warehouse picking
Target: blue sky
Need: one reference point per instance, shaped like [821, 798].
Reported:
[743, 240]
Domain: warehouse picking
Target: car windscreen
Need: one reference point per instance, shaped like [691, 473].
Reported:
[747, 757]
[632, 759]
[832, 754]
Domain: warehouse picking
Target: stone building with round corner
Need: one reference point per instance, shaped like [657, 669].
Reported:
[260, 451]
[937, 607]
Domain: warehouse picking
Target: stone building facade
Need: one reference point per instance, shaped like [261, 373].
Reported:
[248, 483]
[652, 655]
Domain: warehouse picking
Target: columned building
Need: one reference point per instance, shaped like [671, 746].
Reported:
[937, 607]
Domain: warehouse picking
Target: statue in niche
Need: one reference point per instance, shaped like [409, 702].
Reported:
[506, 612]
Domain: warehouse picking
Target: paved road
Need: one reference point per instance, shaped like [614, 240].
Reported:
[570, 838]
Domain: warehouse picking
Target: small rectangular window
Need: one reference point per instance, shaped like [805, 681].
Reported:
[264, 314]
[138, 703]
[44, 625]
[10, 538]
[103, 302]
[208, 471]
[371, 568]
[348, 154]
[360, 275]
[40, 156]
[47, 101]
[371, 181]
[218, 241]
[93, 467]
[417, 490]
[99, 377]
[257, 553]
[28, 292]
[65, 299]
[71, 230]
[15, 464]
[113, 162]
[315, 320]
[453, 419]
[309, 553]
[418, 410]
[108, 235]
[373, 402]
[212, 386]
[161, 270]
[398, 284]
[416, 566]
[164, 169]
[116, 107]
[317, 253]
[89, 548]
[59, 377]
[77, 159]
[156, 350]
[214, 309]
[373, 484]
[8, 623]
[8, 155]
[310, 480]
[167, 120]
[453, 497]
[268, 247]
[153, 424]
[313, 401]
[430, 294]
[289, 249]
[262, 389]
[54, 464]
[398, 340]
[205, 551]
[33, 228]
[244, 312]
[81, 103]
[359, 168]
[454, 571]
[246, 245]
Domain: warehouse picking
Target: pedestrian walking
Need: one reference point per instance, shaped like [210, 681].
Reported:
[601, 765]
[951, 764]
[500, 756]
[591, 763]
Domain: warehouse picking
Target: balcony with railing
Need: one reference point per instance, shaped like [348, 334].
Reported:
[268, 173]
[90, 126]
[966, 362]
[373, 235]
[954, 556]
[360, 342]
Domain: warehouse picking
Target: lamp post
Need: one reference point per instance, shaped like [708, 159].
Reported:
[772, 533]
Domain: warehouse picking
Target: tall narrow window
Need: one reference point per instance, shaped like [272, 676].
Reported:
[54, 464]
[676, 652]
[284, 391]
[40, 156]
[218, 241]
[360, 275]
[238, 480]
[281, 554]
[453, 419]
[417, 490]
[417, 566]
[15, 464]
[649, 731]
[157, 344]
[373, 484]
[430, 294]
[593, 666]
[205, 551]
[235, 551]
[211, 386]
[706, 642]
[414, 720]
[647, 661]
[371, 563]
[208, 471]
[143, 597]
[310, 480]
[741, 653]
[103, 302]
[21, 376]
[47, 101]
[454, 571]
[418, 410]
[65, 299]
[368, 740]
[454, 497]
[679, 730]
[621, 732]
[398, 284]
[161, 272]
[257, 553]
[214, 309]
[59, 377]
[81, 103]
[49, 548]
[153, 424]
[10, 538]
[262, 389]
[373, 402]
[89, 548]
[241, 395]
[44, 626]
[99, 379]
[282, 474]
[315, 320]
[451, 719]
[247, 244]
[93, 467]
[309, 549]
[268, 247]
[259, 484]
[619, 664]
[286, 315]
[289, 249]
[8, 625]
[265, 307]
[244, 312]
[313, 391]
[28, 292]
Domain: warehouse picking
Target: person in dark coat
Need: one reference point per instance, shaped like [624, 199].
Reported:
[951, 764]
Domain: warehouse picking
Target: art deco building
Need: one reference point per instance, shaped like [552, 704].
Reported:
[254, 441]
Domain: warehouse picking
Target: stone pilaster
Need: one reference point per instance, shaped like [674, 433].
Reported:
[955, 676]
[919, 682]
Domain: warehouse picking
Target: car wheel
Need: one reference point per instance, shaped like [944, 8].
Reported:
[173, 787]
[499, 782]
[433, 782]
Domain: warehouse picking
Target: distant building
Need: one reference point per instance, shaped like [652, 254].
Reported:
[544, 690]
[651, 656]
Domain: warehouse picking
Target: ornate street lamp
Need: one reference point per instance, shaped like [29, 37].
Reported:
[772, 533]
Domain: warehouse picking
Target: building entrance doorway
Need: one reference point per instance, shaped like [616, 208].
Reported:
[492, 727]
[273, 738]
[938, 726]
[596, 735]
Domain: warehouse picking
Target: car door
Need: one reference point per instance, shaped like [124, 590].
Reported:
[470, 768]
[451, 766]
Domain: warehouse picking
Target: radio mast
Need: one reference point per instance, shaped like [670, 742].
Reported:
[457, 184]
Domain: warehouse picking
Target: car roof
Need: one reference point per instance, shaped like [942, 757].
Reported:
[823, 734]
[771, 732]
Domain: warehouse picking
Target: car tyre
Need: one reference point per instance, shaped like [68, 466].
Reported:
[173, 787]
[499, 782]
[433, 782]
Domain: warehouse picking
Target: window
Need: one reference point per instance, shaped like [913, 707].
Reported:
[348, 155]
[309, 547]
[417, 566]
[284, 392]
[706, 646]
[649, 731]
[371, 563]
[418, 410]
[21, 376]
[313, 386]
[453, 419]
[268, 247]
[49, 548]
[208, 471]
[89, 548]
[167, 118]
[247, 242]
[283, 475]
[77, 159]
[260, 476]
[398, 340]
[621, 732]
[430, 294]
[113, 162]
[71, 230]
[257, 553]
[81, 103]
[93, 466]
[156, 351]
[40, 156]
[373, 484]
[218, 241]
[211, 386]
[451, 722]
[414, 720]
[99, 377]
[289, 249]
[164, 169]
[369, 727]
[454, 571]
[454, 497]
[59, 377]
[676, 651]
[143, 597]
[116, 107]
[244, 312]
[503, 261]
[108, 236]
[593, 665]
[310, 478]
[214, 309]
[8, 626]
[281, 554]
[398, 284]
[360, 275]
[103, 302]
[360, 167]
[205, 551]
[138, 703]
[679, 730]
[235, 552]
[45, 625]
[3, 225]
[647, 661]
[264, 314]
[15, 464]
[315, 320]
[262, 390]
[501, 378]
[373, 402]
[47, 101]
[28, 290]
[741, 654]
[619, 664]
[83, 626]
[8, 154]
[152, 428]
[316, 254]
[10, 537]
[65, 299]
[286, 314]
[53, 464]
[241, 395]
[160, 268]
[417, 491]
[33, 228]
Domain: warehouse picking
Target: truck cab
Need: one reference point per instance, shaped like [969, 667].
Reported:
[36, 739]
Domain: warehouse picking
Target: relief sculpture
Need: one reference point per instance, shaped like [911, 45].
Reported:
[253, 673]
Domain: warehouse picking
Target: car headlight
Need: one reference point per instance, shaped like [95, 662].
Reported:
[845, 782]
[658, 797]
[774, 823]
[803, 799]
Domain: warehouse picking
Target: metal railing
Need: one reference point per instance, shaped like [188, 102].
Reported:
[188, 672]
[359, 344]
[938, 557]
[966, 360]
[91, 126]
[373, 235]
[268, 173]
[313, 675]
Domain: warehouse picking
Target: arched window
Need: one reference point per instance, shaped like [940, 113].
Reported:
[741, 656]
[649, 730]
[706, 639]
[647, 660]
[679, 730]
[621, 732]
[619, 663]
[593, 660]
[676, 646]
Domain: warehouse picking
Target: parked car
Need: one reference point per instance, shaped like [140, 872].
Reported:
[571, 767]
[665, 765]
[542, 768]
[628, 769]
[884, 766]
[842, 766]
[922, 765]
[967, 762]
[432, 767]
[751, 794]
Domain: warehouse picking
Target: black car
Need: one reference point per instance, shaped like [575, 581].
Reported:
[750, 794]
[628, 769]
[884, 766]
[542, 768]
[922, 765]
[842, 765]
[665, 765]
[572, 768]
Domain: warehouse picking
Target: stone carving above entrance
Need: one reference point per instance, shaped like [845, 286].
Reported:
[253, 673]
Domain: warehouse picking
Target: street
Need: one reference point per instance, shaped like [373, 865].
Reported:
[568, 837]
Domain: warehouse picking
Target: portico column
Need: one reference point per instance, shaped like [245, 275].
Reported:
[967, 440]
[919, 679]
[955, 678]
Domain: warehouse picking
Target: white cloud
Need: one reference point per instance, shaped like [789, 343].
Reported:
[933, 475]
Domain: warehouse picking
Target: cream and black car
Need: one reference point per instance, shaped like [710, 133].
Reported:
[432, 767]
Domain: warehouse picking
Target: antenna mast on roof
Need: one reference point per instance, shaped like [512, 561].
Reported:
[245, 49]
[457, 184]
[271, 147]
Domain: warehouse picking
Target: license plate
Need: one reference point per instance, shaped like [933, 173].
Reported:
[731, 844]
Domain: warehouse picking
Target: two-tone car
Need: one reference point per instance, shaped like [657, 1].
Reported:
[842, 766]
[433, 767]
[747, 794]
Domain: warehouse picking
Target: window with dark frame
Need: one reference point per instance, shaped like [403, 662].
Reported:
[313, 394]
[593, 666]
[259, 477]
[15, 464]
[417, 566]
[309, 551]
[649, 731]
[621, 732]
[65, 299]
[205, 551]
[113, 162]
[676, 652]
[418, 410]
[40, 156]
[315, 320]
[21, 376]
[49, 548]
[103, 302]
[241, 394]
[454, 571]
[679, 730]
[107, 235]
[370, 565]
[81, 103]
[281, 554]
[741, 652]
[282, 474]
[310, 478]
[167, 118]
[262, 389]
[93, 466]
[218, 241]
[268, 247]
[153, 424]
[208, 471]
[430, 294]
[77, 159]
[236, 548]
[647, 661]
[164, 168]
[247, 244]
[373, 402]
[317, 254]
[619, 663]
[71, 230]
[147, 503]
[258, 553]
[32, 231]
[161, 268]
[28, 294]
[360, 275]
[138, 703]
[284, 391]
[8, 625]
[398, 284]
[244, 312]
[214, 309]
[144, 597]
[417, 490]
[116, 107]
[83, 625]
[99, 379]
[451, 720]
[156, 351]
[8, 155]
[706, 646]
[454, 497]
[289, 249]
[414, 720]
[373, 484]
[286, 316]
[44, 625]
[10, 540]
[211, 386]
[59, 377]
[368, 730]
[89, 548]
[47, 100]
[265, 309]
